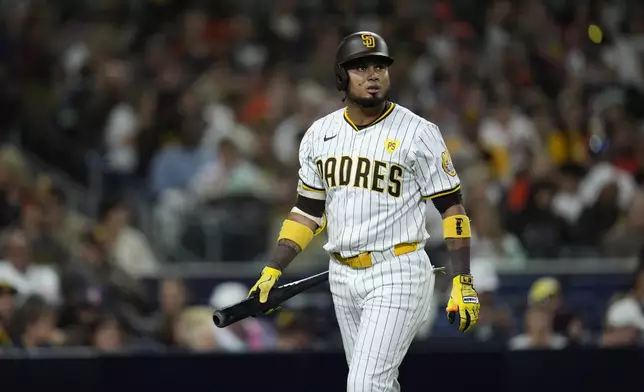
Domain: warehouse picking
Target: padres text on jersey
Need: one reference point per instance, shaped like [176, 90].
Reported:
[376, 180]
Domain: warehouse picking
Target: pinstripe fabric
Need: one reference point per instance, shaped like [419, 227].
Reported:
[380, 309]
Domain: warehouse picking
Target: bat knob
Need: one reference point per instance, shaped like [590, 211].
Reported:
[219, 319]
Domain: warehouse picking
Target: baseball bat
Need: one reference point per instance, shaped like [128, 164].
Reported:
[251, 306]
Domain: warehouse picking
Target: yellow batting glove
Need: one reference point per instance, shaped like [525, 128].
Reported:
[463, 300]
[266, 281]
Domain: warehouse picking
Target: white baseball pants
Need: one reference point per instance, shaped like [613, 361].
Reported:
[379, 311]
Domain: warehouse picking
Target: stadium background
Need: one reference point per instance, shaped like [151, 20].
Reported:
[150, 153]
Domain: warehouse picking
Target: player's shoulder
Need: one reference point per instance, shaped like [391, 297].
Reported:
[320, 125]
[420, 123]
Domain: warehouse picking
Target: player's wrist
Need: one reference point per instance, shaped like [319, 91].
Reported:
[274, 265]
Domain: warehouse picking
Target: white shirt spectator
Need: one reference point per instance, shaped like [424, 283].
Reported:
[285, 140]
[41, 280]
[120, 132]
[623, 57]
[133, 254]
[601, 175]
[523, 342]
[223, 124]
[626, 312]
[312, 100]
[568, 206]
[517, 136]
[485, 276]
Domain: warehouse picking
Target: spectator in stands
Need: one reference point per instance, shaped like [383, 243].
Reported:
[491, 241]
[172, 169]
[570, 325]
[82, 311]
[568, 144]
[601, 179]
[625, 316]
[93, 283]
[121, 128]
[173, 300]
[65, 224]
[639, 155]
[127, 246]
[509, 136]
[627, 236]
[539, 332]
[13, 181]
[193, 330]
[624, 324]
[18, 265]
[495, 319]
[231, 174]
[36, 325]
[45, 248]
[286, 140]
[567, 203]
[7, 309]
[174, 165]
[108, 334]
[597, 219]
[541, 231]
[566, 321]
[546, 292]
[292, 332]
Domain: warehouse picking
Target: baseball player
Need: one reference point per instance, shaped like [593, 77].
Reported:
[367, 173]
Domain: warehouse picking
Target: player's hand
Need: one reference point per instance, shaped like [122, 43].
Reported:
[265, 283]
[464, 301]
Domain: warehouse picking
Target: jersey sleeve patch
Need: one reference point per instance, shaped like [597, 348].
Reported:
[433, 166]
[447, 164]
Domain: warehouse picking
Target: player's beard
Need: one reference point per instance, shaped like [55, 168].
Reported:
[368, 102]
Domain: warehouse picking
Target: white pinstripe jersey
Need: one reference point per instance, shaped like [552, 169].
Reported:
[376, 180]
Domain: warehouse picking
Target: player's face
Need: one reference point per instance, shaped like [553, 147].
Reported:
[368, 81]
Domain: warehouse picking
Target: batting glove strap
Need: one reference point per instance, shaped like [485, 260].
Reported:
[464, 301]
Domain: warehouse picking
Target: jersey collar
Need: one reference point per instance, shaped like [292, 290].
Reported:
[389, 107]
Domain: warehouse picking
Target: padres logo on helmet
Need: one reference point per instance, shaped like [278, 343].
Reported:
[368, 40]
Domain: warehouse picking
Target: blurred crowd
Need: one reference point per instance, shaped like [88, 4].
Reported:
[192, 111]
[552, 318]
[197, 109]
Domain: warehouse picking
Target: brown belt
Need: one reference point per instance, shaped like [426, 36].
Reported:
[363, 260]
